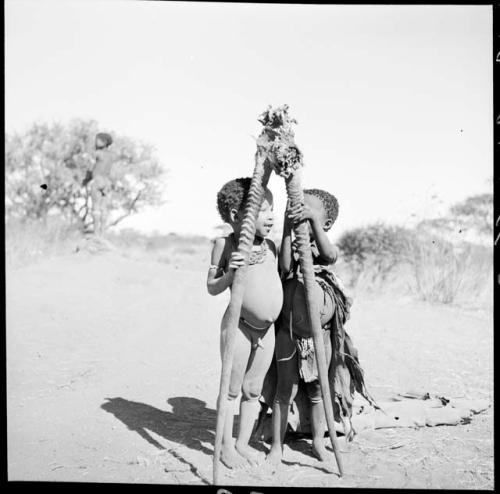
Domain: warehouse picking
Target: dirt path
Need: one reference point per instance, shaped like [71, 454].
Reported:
[113, 372]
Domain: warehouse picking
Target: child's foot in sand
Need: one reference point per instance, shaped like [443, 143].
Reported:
[319, 450]
[247, 452]
[231, 458]
[274, 457]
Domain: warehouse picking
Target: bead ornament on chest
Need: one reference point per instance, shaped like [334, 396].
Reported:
[258, 253]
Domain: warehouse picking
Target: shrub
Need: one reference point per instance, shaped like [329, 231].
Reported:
[379, 246]
[440, 270]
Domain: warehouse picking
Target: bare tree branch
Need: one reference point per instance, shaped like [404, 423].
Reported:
[128, 213]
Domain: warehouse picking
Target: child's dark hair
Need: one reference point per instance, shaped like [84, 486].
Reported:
[329, 201]
[233, 195]
[105, 137]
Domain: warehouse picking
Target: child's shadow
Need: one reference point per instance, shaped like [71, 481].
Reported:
[190, 423]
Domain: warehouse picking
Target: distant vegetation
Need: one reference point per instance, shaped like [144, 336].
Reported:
[190, 252]
[439, 260]
[156, 241]
[437, 266]
[471, 218]
[45, 167]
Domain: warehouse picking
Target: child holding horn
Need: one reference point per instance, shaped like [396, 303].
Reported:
[262, 302]
[295, 354]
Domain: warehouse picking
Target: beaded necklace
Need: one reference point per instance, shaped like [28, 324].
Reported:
[258, 256]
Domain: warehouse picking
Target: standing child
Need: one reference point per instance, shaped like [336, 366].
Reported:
[295, 356]
[262, 302]
[99, 180]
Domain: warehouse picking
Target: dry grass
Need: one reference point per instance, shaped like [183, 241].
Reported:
[183, 251]
[449, 273]
[29, 241]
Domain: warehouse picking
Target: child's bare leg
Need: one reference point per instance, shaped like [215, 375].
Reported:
[266, 400]
[260, 361]
[280, 420]
[257, 433]
[318, 424]
[94, 194]
[318, 419]
[104, 212]
[229, 456]
[286, 390]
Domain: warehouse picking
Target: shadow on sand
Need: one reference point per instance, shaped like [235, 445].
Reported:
[190, 423]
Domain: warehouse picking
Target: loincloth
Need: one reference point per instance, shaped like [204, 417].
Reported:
[306, 355]
[253, 333]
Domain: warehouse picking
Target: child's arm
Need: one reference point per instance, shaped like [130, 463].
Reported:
[89, 172]
[96, 157]
[217, 282]
[327, 251]
[285, 253]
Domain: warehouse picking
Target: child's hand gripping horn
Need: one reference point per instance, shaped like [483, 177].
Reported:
[286, 160]
[231, 317]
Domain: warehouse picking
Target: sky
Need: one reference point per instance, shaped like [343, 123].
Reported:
[394, 103]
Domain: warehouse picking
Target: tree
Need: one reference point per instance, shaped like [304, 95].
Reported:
[45, 167]
[475, 212]
[472, 217]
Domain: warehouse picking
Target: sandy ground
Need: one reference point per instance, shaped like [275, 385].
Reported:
[113, 372]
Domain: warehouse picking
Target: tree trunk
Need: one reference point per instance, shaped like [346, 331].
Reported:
[296, 196]
[231, 318]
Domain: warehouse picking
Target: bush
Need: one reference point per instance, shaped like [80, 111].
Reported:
[440, 270]
[379, 246]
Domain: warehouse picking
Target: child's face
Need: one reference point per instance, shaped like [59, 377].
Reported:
[315, 204]
[265, 218]
[99, 143]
